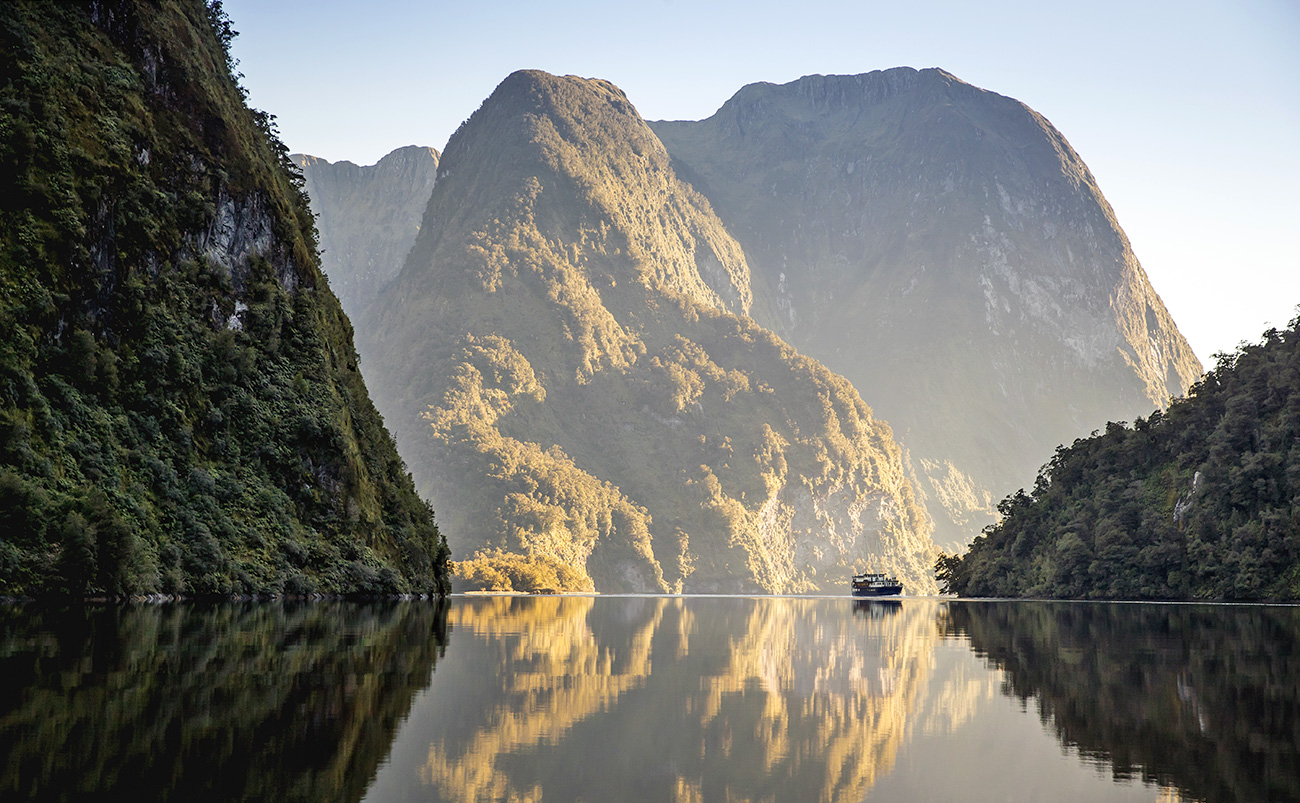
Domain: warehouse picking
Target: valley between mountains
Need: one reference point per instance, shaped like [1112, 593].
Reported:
[826, 329]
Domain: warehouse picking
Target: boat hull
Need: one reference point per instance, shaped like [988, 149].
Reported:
[878, 591]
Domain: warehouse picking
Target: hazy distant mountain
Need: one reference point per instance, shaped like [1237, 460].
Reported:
[566, 362]
[946, 250]
[367, 217]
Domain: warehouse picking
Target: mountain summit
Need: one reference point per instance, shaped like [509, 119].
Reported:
[947, 250]
[566, 361]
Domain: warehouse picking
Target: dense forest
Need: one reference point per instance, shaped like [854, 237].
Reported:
[180, 405]
[1201, 501]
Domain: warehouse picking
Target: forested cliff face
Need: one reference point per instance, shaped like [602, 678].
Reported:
[566, 361]
[1200, 501]
[947, 251]
[368, 217]
[180, 407]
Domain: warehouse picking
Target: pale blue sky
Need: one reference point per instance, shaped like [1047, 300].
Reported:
[1188, 113]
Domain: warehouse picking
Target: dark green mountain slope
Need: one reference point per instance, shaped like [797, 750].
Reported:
[947, 251]
[567, 365]
[1202, 501]
[180, 408]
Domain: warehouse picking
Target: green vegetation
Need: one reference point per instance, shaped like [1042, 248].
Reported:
[496, 570]
[180, 405]
[1200, 502]
[567, 363]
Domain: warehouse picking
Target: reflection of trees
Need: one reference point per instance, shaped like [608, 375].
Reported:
[222, 702]
[1204, 698]
[748, 699]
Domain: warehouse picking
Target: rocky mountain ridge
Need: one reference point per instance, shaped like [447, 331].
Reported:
[566, 362]
[940, 245]
[945, 249]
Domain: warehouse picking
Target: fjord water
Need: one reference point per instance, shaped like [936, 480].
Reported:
[652, 698]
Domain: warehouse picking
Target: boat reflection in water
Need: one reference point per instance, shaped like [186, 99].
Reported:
[652, 698]
[876, 608]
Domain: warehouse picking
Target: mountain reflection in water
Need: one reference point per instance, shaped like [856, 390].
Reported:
[229, 702]
[651, 699]
[776, 699]
[669, 699]
[1205, 698]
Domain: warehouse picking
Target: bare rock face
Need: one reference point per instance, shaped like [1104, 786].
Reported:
[568, 366]
[946, 250]
[367, 217]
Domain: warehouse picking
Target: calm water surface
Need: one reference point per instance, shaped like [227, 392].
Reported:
[651, 698]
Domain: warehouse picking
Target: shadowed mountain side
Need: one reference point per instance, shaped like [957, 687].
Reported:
[288, 702]
[946, 250]
[368, 217]
[563, 363]
[180, 406]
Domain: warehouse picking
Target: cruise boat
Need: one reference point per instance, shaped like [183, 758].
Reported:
[876, 585]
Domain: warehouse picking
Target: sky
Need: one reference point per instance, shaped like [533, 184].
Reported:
[1187, 113]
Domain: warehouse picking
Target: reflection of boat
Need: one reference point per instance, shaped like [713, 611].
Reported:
[875, 585]
[876, 608]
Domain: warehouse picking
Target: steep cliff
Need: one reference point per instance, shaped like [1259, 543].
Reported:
[946, 250]
[368, 217]
[180, 407]
[566, 362]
